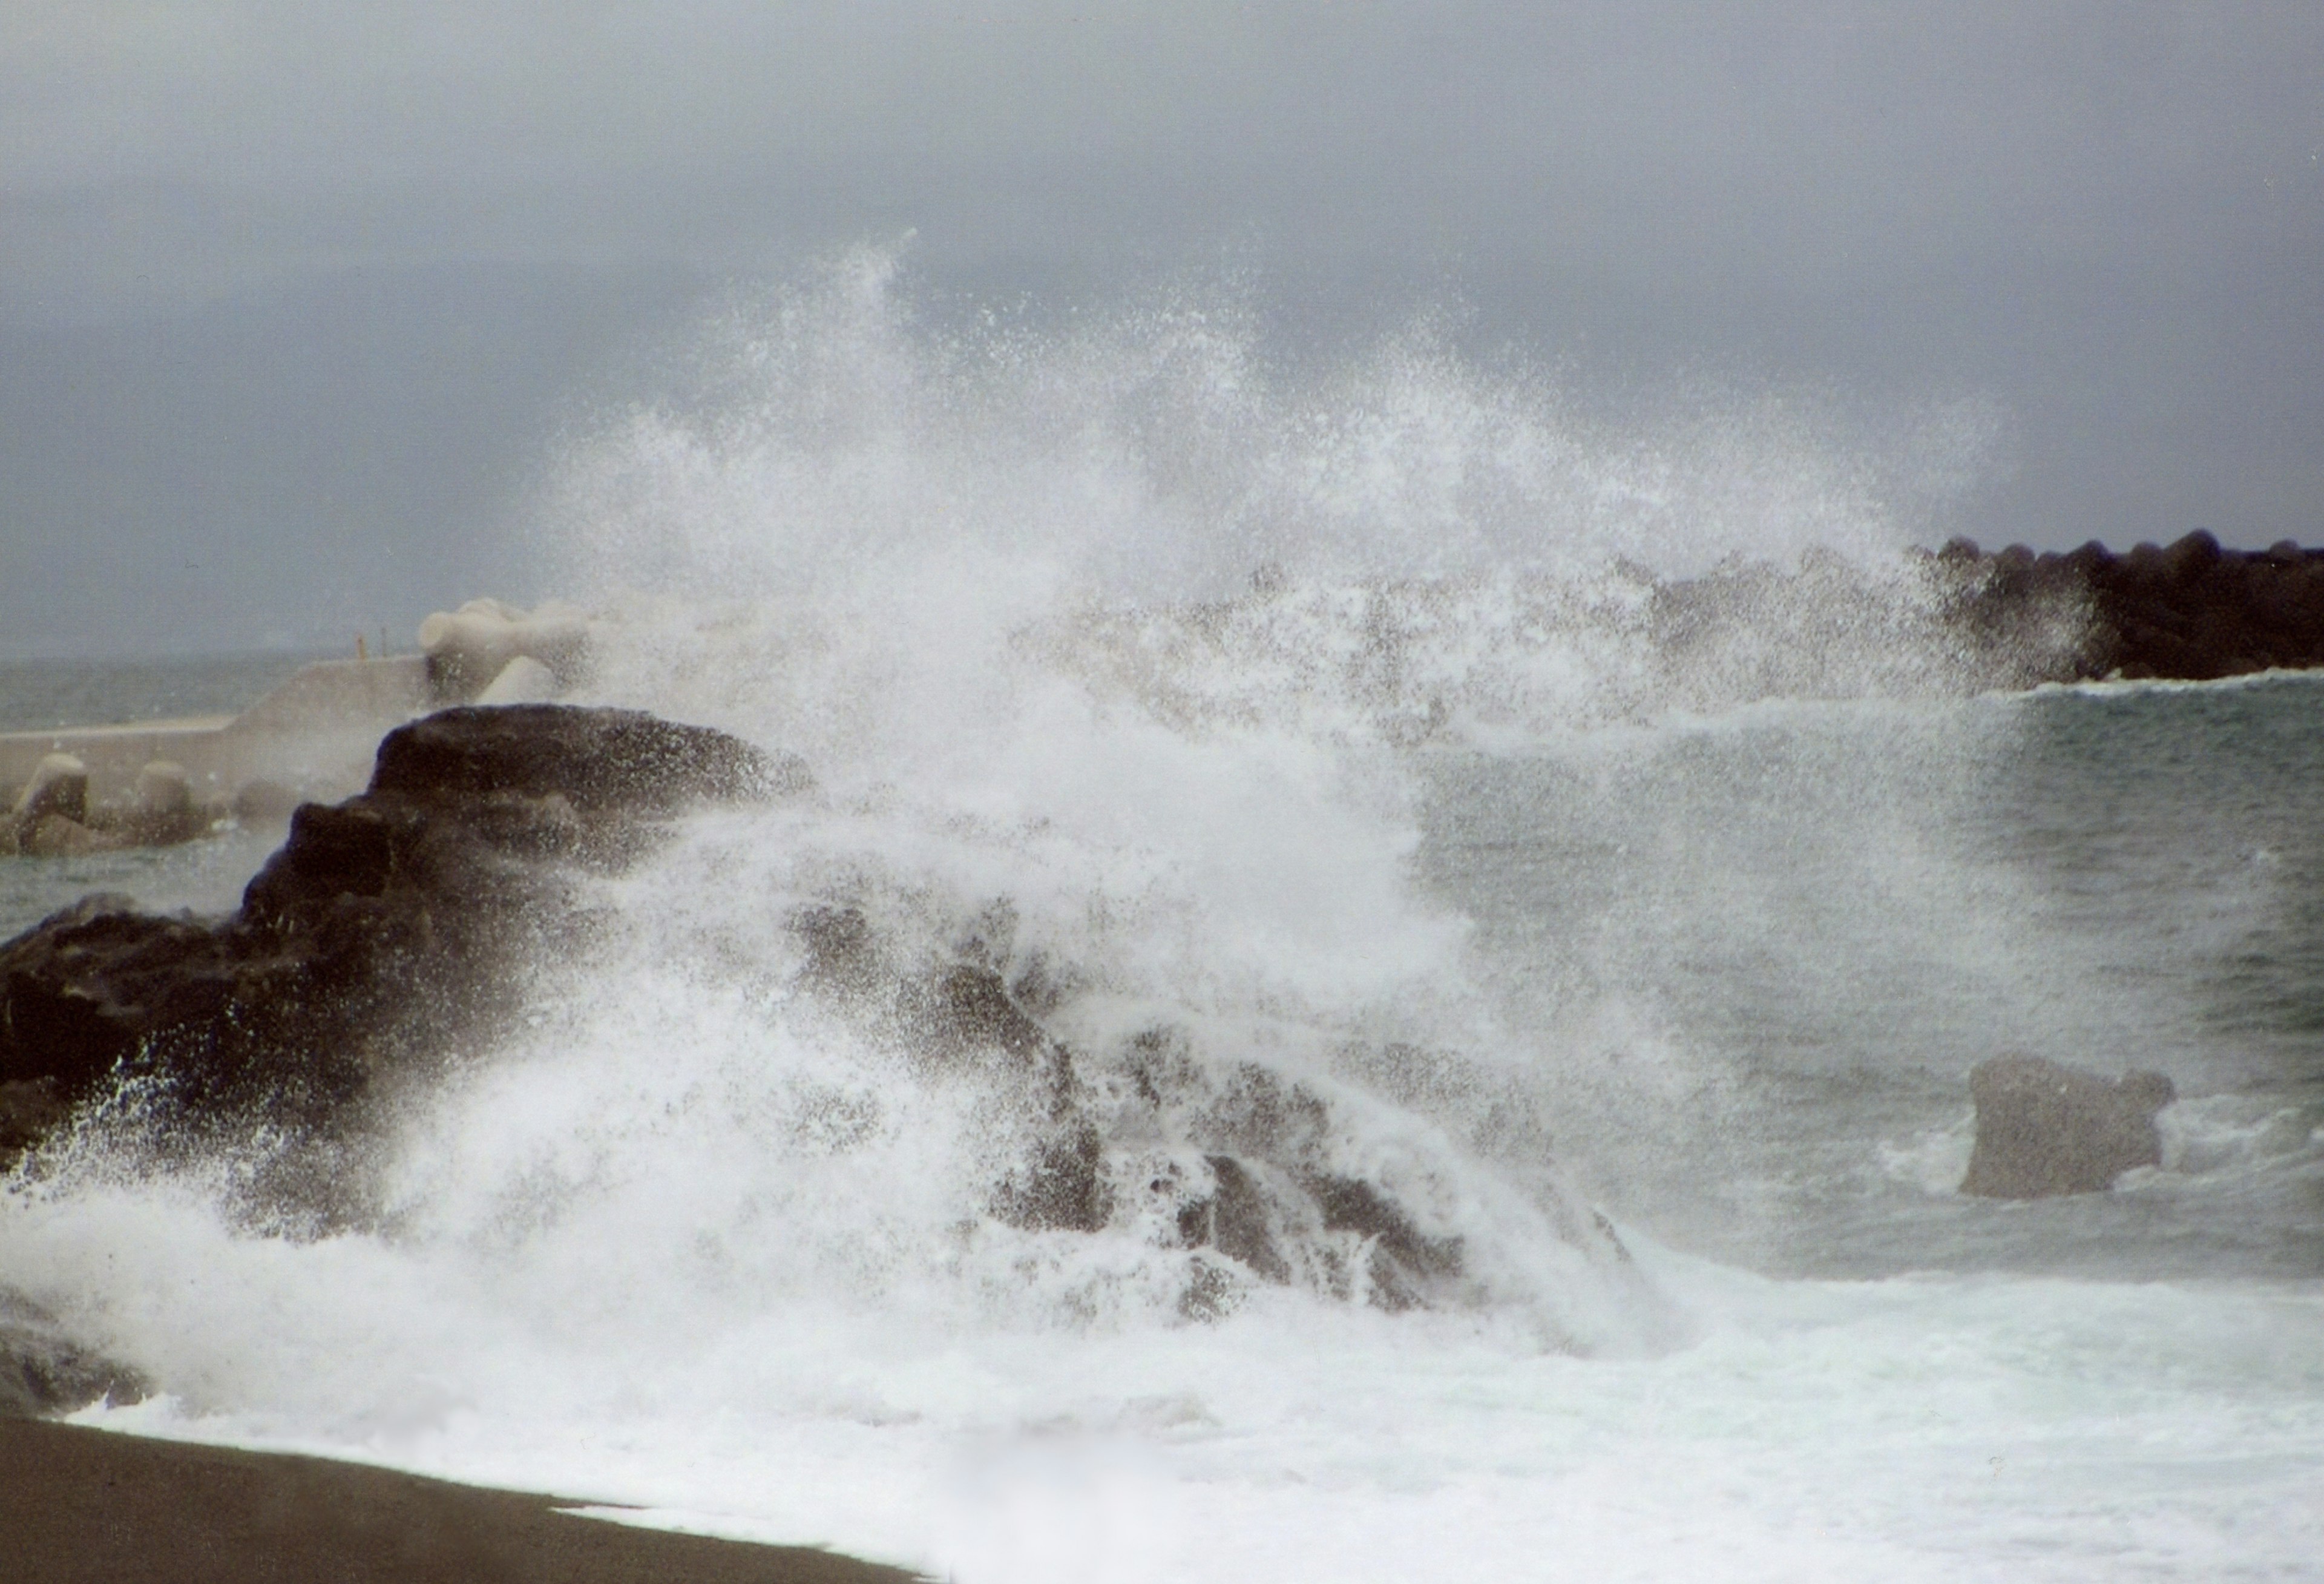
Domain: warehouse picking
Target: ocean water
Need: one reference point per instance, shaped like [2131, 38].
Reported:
[1331, 726]
[41, 696]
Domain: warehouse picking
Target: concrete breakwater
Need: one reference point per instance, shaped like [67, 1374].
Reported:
[2191, 610]
[311, 739]
[315, 732]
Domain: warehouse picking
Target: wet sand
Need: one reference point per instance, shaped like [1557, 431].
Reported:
[90, 1505]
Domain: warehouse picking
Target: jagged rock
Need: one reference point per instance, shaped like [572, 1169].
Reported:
[1225, 1160]
[2044, 1129]
[383, 934]
[382, 930]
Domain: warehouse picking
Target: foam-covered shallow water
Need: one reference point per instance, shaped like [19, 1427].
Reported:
[1324, 759]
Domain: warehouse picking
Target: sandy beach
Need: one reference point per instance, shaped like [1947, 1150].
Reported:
[85, 1505]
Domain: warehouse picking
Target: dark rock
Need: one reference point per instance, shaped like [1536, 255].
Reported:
[597, 760]
[840, 957]
[2190, 611]
[1405, 1263]
[1063, 1188]
[970, 1007]
[27, 1111]
[1247, 1169]
[2045, 1130]
[383, 928]
[42, 1371]
[1233, 1220]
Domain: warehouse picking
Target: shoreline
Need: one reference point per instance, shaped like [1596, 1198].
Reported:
[80, 1506]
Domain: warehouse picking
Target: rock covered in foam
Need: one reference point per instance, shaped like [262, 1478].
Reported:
[388, 936]
[1244, 1175]
[470, 649]
[2043, 1129]
[524, 680]
[382, 932]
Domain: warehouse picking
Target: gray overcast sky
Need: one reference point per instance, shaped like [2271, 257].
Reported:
[292, 295]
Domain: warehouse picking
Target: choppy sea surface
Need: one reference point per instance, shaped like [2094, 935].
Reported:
[1560, 911]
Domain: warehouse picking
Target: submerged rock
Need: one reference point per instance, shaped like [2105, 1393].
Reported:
[383, 931]
[2045, 1130]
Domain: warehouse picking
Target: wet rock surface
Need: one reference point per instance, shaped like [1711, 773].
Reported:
[384, 929]
[2044, 1129]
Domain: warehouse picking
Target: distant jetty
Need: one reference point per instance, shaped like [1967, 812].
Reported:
[2189, 611]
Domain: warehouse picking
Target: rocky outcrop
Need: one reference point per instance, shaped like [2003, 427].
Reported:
[2191, 610]
[44, 1371]
[382, 930]
[387, 933]
[2044, 1129]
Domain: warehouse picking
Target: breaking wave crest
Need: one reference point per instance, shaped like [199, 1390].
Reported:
[1092, 988]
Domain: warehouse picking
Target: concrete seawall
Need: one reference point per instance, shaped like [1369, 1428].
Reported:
[312, 736]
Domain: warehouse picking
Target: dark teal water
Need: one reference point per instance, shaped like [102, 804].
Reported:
[1755, 958]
